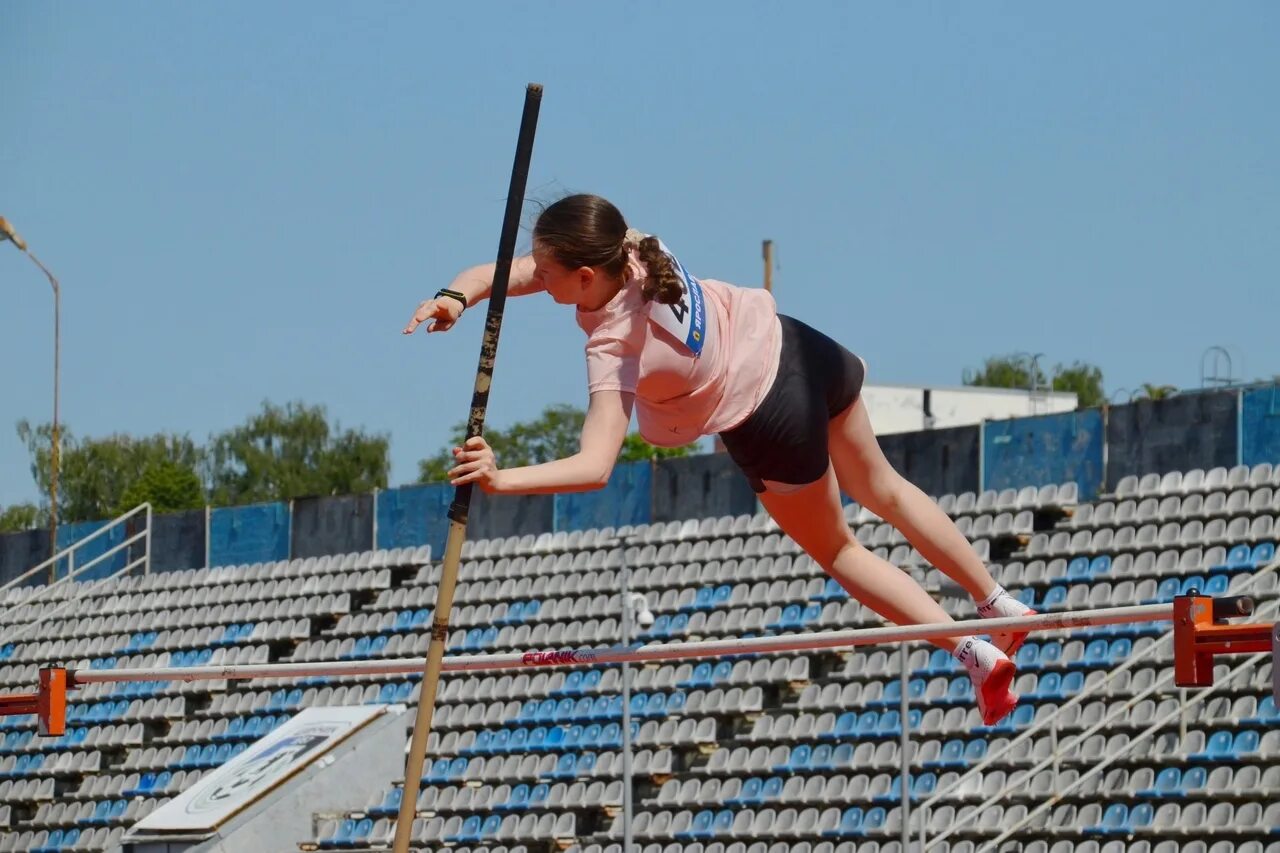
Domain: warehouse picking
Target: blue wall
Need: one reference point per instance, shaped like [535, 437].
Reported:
[414, 515]
[1192, 430]
[1059, 448]
[1260, 426]
[625, 500]
[249, 534]
[69, 534]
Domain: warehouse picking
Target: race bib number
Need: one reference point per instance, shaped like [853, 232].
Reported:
[685, 320]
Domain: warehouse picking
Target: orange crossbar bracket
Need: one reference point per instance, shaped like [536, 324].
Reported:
[49, 703]
[1201, 632]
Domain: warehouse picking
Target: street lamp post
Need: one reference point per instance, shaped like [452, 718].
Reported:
[634, 607]
[7, 232]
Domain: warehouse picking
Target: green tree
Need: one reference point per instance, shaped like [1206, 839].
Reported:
[291, 451]
[1084, 379]
[554, 434]
[1155, 392]
[1007, 371]
[95, 473]
[1014, 371]
[167, 486]
[19, 517]
[636, 449]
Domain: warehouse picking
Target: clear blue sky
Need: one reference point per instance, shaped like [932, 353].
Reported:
[245, 201]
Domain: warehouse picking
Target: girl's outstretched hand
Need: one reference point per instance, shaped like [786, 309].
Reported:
[442, 312]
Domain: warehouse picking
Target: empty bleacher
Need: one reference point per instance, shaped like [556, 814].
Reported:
[753, 754]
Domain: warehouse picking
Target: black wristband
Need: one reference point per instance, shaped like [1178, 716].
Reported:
[454, 294]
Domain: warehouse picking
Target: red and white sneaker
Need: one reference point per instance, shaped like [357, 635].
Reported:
[1010, 641]
[992, 674]
[1002, 605]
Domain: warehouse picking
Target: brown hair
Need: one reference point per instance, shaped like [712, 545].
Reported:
[588, 231]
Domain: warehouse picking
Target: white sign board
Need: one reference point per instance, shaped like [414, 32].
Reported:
[261, 767]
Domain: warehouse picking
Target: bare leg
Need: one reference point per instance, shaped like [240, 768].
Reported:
[866, 476]
[813, 517]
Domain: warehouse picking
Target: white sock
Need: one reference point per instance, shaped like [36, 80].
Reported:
[1000, 603]
[978, 656]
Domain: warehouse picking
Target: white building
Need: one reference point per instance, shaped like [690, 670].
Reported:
[911, 408]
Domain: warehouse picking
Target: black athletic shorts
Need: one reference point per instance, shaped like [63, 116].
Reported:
[785, 438]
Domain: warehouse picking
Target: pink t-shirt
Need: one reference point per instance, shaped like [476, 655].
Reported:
[680, 397]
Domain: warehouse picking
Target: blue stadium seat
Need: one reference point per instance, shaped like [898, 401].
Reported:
[723, 824]
[404, 621]
[537, 740]
[1268, 714]
[704, 599]
[538, 795]
[1140, 817]
[722, 596]
[468, 833]
[798, 762]
[832, 591]
[518, 801]
[1239, 559]
[1263, 553]
[101, 813]
[922, 787]
[1113, 820]
[820, 758]
[850, 822]
[751, 793]
[1054, 598]
[1217, 748]
[1166, 592]
[1193, 781]
[889, 724]
[390, 805]
[1245, 745]
[891, 697]
[701, 676]
[1100, 566]
[772, 790]
[1078, 569]
[1217, 585]
[566, 767]
[360, 837]
[812, 614]
[1196, 582]
[939, 663]
[341, 838]
[846, 725]
[975, 751]
[1072, 683]
[491, 827]
[951, 755]
[1165, 785]
[873, 822]
[701, 826]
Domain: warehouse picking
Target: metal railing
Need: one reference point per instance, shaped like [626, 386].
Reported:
[10, 632]
[1162, 723]
[1051, 722]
